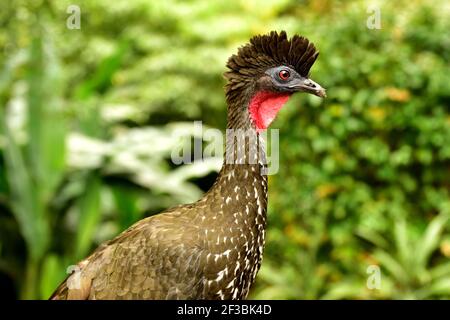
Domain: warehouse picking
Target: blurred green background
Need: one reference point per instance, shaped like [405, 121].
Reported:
[89, 118]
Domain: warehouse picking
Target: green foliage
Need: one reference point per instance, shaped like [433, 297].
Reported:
[89, 119]
[369, 166]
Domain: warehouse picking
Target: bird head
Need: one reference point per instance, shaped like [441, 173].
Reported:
[266, 72]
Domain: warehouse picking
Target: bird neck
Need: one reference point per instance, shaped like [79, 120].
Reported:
[237, 203]
[245, 146]
[242, 180]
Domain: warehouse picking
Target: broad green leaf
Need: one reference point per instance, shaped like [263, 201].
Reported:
[89, 211]
[403, 244]
[27, 208]
[391, 265]
[431, 239]
[126, 202]
[50, 275]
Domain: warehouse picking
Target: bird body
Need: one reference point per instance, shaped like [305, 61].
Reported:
[210, 249]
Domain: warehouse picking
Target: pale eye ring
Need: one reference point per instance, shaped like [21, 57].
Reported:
[284, 74]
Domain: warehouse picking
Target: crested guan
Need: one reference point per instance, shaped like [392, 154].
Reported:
[210, 249]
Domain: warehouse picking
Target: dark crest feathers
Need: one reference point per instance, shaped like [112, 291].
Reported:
[273, 49]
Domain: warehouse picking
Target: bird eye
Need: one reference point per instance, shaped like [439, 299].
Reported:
[284, 75]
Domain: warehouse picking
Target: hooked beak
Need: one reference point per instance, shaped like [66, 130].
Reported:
[303, 84]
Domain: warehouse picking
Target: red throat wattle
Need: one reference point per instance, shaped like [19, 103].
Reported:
[264, 107]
